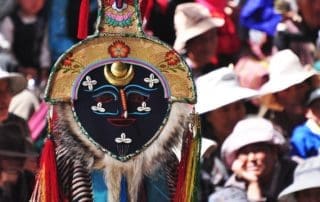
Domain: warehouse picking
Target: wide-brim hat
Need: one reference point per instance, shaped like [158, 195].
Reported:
[191, 20]
[306, 176]
[13, 143]
[17, 82]
[18, 154]
[249, 131]
[219, 88]
[285, 70]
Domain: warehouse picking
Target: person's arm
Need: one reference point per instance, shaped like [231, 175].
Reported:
[254, 190]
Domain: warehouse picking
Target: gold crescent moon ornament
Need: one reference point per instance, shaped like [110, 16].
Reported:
[119, 74]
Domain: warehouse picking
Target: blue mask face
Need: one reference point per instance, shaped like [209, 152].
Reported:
[122, 119]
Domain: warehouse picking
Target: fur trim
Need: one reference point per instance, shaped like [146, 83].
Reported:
[134, 169]
[151, 158]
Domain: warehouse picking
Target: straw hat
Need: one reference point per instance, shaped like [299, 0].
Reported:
[248, 131]
[17, 82]
[306, 176]
[219, 88]
[191, 20]
[285, 70]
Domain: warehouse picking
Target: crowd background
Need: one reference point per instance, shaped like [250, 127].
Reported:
[255, 64]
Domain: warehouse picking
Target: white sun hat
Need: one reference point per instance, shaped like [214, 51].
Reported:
[191, 20]
[17, 82]
[306, 176]
[219, 88]
[285, 70]
[249, 131]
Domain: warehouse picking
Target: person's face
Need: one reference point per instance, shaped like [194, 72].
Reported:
[10, 169]
[202, 48]
[294, 95]
[31, 7]
[223, 119]
[258, 159]
[314, 111]
[5, 100]
[308, 195]
[310, 11]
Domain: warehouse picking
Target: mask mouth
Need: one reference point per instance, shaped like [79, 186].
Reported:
[122, 122]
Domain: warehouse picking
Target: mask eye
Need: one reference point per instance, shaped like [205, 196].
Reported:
[136, 98]
[105, 98]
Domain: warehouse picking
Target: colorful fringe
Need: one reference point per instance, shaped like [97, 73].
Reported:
[47, 188]
[188, 171]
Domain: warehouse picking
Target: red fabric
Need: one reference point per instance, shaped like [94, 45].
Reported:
[228, 41]
[83, 19]
[49, 169]
[146, 8]
[163, 5]
[216, 7]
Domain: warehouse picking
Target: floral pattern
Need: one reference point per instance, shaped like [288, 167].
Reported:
[171, 58]
[119, 49]
[69, 64]
[171, 63]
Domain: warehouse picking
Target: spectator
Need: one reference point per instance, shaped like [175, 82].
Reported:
[305, 139]
[286, 90]
[16, 184]
[306, 185]
[25, 30]
[229, 43]
[229, 105]
[196, 36]
[10, 85]
[299, 28]
[254, 153]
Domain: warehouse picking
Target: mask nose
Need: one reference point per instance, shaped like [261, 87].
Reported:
[124, 103]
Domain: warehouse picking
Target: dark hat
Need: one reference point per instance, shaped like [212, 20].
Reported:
[12, 142]
[315, 94]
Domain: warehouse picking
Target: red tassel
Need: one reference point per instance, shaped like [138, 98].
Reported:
[83, 19]
[47, 186]
[48, 162]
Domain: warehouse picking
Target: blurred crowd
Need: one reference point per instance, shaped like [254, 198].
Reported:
[256, 67]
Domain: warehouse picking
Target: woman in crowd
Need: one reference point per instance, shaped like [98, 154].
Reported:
[221, 104]
[254, 153]
[286, 91]
[196, 36]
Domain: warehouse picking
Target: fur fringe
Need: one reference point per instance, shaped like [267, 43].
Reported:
[134, 169]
